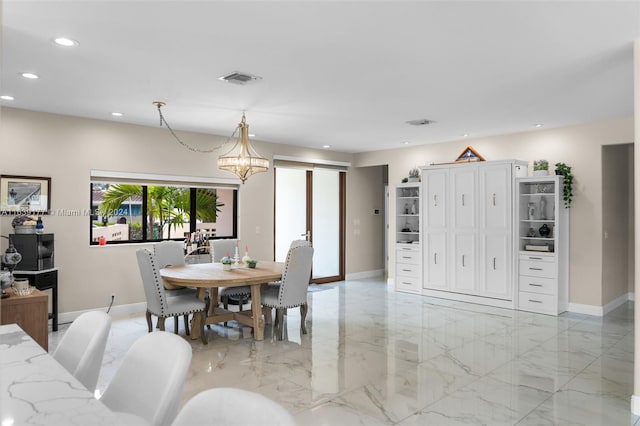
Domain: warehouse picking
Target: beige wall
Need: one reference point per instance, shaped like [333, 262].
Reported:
[579, 146]
[365, 192]
[631, 227]
[615, 221]
[67, 148]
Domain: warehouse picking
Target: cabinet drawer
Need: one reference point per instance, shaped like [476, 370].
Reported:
[410, 284]
[538, 257]
[538, 285]
[410, 257]
[408, 270]
[534, 302]
[535, 268]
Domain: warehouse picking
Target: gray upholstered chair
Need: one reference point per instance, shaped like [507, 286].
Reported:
[157, 301]
[294, 243]
[171, 253]
[146, 389]
[231, 406]
[81, 349]
[241, 293]
[292, 291]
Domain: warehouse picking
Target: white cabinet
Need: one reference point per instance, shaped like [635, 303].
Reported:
[408, 266]
[469, 231]
[543, 237]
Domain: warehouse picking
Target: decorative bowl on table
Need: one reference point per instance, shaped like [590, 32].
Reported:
[23, 291]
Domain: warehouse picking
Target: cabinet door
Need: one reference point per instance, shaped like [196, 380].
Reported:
[495, 193]
[434, 199]
[435, 261]
[463, 262]
[463, 198]
[496, 271]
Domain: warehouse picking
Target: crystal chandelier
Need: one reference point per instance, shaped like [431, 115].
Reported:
[241, 160]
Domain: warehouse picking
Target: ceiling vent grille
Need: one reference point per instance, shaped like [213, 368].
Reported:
[420, 122]
[238, 77]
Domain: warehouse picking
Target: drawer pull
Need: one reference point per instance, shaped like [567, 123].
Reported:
[535, 285]
[406, 249]
[494, 263]
[536, 269]
[435, 258]
[407, 257]
[535, 258]
[406, 283]
[494, 199]
[435, 200]
[463, 200]
[407, 270]
[463, 260]
[535, 301]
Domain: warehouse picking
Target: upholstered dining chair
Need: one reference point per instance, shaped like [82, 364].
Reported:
[241, 293]
[232, 406]
[294, 243]
[171, 253]
[145, 386]
[81, 348]
[158, 303]
[292, 291]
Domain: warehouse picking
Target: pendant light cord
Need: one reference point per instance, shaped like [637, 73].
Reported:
[189, 147]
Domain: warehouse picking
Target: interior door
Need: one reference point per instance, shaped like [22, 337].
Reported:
[310, 203]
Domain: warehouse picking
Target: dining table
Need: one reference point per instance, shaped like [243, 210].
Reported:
[37, 390]
[211, 276]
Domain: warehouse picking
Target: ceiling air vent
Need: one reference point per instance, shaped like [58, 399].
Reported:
[238, 77]
[420, 122]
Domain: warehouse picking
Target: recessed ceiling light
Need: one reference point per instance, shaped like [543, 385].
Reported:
[466, 135]
[406, 143]
[30, 75]
[7, 98]
[66, 42]
[117, 114]
[326, 146]
[538, 125]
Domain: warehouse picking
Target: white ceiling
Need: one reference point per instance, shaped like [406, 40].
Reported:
[347, 74]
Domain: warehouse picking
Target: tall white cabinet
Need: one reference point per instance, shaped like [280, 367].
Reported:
[543, 245]
[468, 229]
[408, 266]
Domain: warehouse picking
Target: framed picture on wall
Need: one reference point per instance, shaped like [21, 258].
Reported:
[25, 194]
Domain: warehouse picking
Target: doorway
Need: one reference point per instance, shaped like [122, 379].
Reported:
[310, 204]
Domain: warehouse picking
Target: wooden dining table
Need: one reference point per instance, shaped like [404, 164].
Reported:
[211, 276]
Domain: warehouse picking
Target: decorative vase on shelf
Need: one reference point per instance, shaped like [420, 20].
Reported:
[544, 231]
[532, 211]
[543, 208]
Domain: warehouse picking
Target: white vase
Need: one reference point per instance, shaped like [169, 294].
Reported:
[541, 172]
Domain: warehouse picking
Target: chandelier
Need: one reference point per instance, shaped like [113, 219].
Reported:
[241, 160]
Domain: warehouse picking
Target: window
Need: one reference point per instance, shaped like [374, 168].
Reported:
[136, 210]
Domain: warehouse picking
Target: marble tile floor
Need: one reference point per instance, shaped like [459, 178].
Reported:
[376, 357]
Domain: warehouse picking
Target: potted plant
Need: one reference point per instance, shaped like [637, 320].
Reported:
[226, 263]
[251, 263]
[414, 175]
[567, 192]
[540, 168]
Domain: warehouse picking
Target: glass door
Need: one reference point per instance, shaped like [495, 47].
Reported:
[310, 205]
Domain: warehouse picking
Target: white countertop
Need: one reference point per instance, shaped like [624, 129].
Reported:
[36, 390]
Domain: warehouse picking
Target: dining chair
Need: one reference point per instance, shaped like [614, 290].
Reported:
[81, 348]
[240, 293]
[292, 291]
[232, 407]
[171, 253]
[294, 243]
[158, 303]
[145, 386]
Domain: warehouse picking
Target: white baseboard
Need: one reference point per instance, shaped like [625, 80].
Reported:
[365, 274]
[118, 310]
[617, 302]
[635, 404]
[600, 311]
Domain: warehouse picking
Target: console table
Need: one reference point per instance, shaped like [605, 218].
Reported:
[44, 280]
[30, 313]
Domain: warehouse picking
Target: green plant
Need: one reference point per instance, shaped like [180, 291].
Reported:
[414, 172]
[251, 263]
[567, 192]
[405, 180]
[540, 165]
[226, 260]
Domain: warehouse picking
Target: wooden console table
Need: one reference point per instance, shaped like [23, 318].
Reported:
[30, 313]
